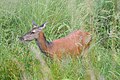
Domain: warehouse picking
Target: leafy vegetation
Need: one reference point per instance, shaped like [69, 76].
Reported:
[100, 17]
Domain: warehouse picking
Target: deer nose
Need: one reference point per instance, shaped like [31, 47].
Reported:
[21, 38]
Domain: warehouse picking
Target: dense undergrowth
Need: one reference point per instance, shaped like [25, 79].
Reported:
[100, 17]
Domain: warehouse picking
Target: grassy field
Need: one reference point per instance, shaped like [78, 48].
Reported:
[100, 17]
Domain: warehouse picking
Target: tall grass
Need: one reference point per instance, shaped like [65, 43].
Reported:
[100, 17]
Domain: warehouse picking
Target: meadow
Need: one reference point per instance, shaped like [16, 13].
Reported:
[99, 17]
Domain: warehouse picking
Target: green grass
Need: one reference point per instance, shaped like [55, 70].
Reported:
[100, 17]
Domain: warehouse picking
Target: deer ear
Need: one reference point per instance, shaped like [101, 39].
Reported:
[34, 24]
[43, 26]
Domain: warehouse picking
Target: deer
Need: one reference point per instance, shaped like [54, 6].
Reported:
[72, 44]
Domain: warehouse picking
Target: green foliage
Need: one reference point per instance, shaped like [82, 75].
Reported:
[100, 17]
[107, 24]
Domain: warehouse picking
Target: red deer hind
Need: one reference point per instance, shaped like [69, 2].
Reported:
[73, 44]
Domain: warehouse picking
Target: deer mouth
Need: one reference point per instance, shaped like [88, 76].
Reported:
[23, 39]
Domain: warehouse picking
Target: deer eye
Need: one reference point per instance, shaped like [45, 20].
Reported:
[32, 32]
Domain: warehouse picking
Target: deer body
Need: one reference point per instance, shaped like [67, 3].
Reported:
[73, 44]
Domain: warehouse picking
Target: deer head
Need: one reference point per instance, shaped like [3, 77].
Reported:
[34, 33]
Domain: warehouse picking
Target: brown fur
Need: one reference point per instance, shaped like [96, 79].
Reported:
[73, 44]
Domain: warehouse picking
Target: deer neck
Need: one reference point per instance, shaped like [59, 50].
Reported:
[42, 43]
